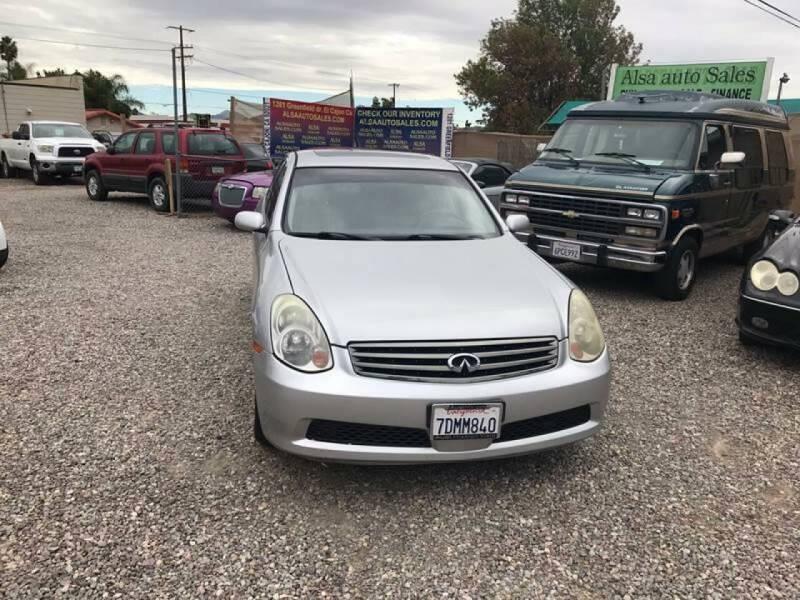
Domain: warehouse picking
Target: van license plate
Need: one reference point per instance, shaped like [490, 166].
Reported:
[217, 170]
[568, 251]
[465, 421]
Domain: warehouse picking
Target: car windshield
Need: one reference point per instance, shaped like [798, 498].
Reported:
[665, 144]
[211, 144]
[254, 151]
[59, 130]
[399, 204]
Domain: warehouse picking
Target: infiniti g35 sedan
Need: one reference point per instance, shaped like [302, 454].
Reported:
[396, 319]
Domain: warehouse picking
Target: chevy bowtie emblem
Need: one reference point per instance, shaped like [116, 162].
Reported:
[570, 214]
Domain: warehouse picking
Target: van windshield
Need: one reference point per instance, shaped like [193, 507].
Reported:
[660, 144]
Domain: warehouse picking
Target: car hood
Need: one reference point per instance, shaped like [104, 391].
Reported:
[65, 141]
[589, 177]
[261, 178]
[785, 251]
[423, 290]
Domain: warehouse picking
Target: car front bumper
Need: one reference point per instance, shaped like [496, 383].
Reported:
[769, 322]
[61, 166]
[288, 401]
[603, 255]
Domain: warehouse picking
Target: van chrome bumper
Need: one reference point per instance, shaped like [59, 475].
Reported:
[604, 255]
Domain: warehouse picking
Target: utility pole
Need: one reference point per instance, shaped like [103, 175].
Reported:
[181, 29]
[394, 87]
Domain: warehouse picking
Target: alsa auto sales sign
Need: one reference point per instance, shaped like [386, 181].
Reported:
[745, 80]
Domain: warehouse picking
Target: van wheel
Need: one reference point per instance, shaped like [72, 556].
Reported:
[9, 172]
[95, 188]
[258, 433]
[159, 197]
[676, 280]
[39, 178]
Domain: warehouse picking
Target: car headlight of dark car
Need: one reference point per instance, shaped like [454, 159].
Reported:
[765, 276]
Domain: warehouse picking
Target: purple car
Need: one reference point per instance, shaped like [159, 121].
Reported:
[238, 192]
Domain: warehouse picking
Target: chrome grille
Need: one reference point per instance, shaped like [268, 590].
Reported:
[586, 206]
[75, 151]
[580, 223]
[427, 361]
[231, 195]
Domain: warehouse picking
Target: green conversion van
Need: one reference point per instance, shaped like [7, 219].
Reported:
[654, 181]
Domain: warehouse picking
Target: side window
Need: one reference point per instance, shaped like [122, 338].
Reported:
[124, 143]
[713, 147]
[752, 172]
[146, 144]
[168, 143]
[776, 155]
[490, 175]
[274, 189]
[24, 129]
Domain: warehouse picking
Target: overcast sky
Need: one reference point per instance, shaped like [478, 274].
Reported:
[310, 46]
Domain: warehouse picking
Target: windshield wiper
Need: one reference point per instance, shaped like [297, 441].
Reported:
[334, 235]
[630, 158]
[565, 152]
[436, 236]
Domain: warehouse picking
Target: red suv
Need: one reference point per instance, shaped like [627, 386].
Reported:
[135, 163]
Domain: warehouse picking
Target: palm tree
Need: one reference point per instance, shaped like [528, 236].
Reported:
[111, 93]
[8, 53]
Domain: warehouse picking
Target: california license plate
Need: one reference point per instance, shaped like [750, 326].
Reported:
[217, 170]
[465, 421]
[567, 251]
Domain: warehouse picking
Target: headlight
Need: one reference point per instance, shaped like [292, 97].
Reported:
[764, 275]
[523, 200]
[46, 148]
[297, 335]
[586, 341]
[260, 192]
[635, 212]
[788, 284]
[512, 198]
[100, 149]
[641, 232]
[652, 214]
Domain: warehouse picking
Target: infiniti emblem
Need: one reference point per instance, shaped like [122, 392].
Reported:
[463, 363]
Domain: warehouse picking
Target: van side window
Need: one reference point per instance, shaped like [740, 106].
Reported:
[776, 155]
[752, 172]
[714, 145]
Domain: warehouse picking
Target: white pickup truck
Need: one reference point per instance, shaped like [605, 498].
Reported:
[47, 149]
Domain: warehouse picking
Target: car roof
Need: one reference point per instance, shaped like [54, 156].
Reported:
[685, 105]
[356, 157]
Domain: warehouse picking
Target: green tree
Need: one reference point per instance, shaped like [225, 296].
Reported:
[551, 51]
[110, 93]
[8, 53]
[381, 102]
[51, 72]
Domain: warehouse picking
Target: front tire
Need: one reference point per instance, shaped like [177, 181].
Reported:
[39, 178]
[9, 172]
[95, 188]
[159, 197]
[676, 280]
[258, 433]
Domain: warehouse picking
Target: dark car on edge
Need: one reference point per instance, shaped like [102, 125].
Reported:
[655, 181]
[769, 297]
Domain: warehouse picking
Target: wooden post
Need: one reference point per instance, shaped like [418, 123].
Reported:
[168, 171]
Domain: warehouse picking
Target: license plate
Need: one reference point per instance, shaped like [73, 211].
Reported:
[77, 169]
[217, 170]
[568, 251]
[465, 421]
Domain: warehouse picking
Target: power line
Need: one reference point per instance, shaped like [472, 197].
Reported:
[91, 45]
[772, 14]
[783, 12]
[82, 32]
[262, 81]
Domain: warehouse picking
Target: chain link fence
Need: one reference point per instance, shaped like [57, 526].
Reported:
[197, 178]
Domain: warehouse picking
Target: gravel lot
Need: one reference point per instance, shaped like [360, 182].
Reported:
[128, 468]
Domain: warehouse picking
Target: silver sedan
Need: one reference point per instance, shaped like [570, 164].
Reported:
[396, 319]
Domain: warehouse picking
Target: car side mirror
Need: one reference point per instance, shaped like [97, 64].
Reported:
[730, 160]
[250, 220]
[518, 223]
[540, 146]
[780, 219]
